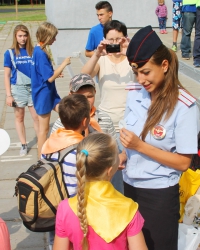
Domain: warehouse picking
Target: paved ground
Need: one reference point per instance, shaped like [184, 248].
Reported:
[11, 165]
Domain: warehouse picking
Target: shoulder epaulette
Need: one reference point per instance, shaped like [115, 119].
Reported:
[186, 98]
[133, 86]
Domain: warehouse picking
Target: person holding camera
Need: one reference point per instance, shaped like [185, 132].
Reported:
[17, 72]
[114, 72]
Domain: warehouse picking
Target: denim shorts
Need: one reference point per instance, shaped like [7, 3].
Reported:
[22, 95]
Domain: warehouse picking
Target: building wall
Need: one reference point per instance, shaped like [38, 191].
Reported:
[74, 18]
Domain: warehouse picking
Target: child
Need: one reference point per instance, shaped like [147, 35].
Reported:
[161, 12]
[74, 113]
[99, 217]
[17, 73]
[99, 121]
[45, 97]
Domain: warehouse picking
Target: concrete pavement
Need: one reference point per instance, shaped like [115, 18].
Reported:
[11, 165]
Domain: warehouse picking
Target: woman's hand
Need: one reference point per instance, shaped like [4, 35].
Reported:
[124, 43]
[9, 100]
[122, 160]
[177, 161]
[101, 49]
[129, 139]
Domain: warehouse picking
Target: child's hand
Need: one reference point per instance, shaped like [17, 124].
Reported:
[67, 60]
[9, 100]
[61, 75]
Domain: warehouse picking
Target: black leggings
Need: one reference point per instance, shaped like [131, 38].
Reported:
[160, 210]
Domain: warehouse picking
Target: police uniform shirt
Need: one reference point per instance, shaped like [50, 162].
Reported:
[181, 136]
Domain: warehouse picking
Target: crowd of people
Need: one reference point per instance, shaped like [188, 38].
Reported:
[134, 139]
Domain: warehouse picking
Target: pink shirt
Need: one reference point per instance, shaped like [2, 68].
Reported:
[161, 11]
[67, 225]
[4, 236]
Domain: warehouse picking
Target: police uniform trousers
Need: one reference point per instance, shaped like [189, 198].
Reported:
[160, 210]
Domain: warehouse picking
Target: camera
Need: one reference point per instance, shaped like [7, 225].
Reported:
[112, 48]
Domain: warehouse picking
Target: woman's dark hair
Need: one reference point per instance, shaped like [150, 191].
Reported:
[115, 25]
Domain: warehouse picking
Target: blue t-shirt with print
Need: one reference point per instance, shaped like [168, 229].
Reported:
[44, 93]
[22, 61]
[95, 37]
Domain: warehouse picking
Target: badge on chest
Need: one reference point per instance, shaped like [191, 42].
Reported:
[158, 132]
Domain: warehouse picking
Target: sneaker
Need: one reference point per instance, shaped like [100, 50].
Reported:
[161, 32]
[174, 48]
[23, 150]
[164, 32]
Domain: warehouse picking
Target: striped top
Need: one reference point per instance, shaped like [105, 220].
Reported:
[69, 171]
[103, 120]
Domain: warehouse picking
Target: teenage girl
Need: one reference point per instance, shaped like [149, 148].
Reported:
[17, 71]
[44, 93]
[98, 217]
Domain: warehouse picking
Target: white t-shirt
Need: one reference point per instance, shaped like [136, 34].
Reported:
[112, 82]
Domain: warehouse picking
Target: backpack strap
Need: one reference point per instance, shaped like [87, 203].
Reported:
[12, 59]
[64, 152]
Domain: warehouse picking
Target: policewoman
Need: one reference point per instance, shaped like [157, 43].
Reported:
[159, 137]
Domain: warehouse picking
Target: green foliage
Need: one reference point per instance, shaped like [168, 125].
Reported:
[32, 15]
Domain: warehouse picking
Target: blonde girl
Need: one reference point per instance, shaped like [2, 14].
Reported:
[44, 93]
[17, 71]
[98, 217]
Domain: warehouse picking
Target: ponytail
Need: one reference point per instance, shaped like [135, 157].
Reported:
[45, 33]
[81, 210]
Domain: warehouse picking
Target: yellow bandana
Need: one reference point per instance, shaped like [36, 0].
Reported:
[108, 211]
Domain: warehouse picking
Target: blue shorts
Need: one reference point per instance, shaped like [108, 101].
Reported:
[177, 15]
[22, 95]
